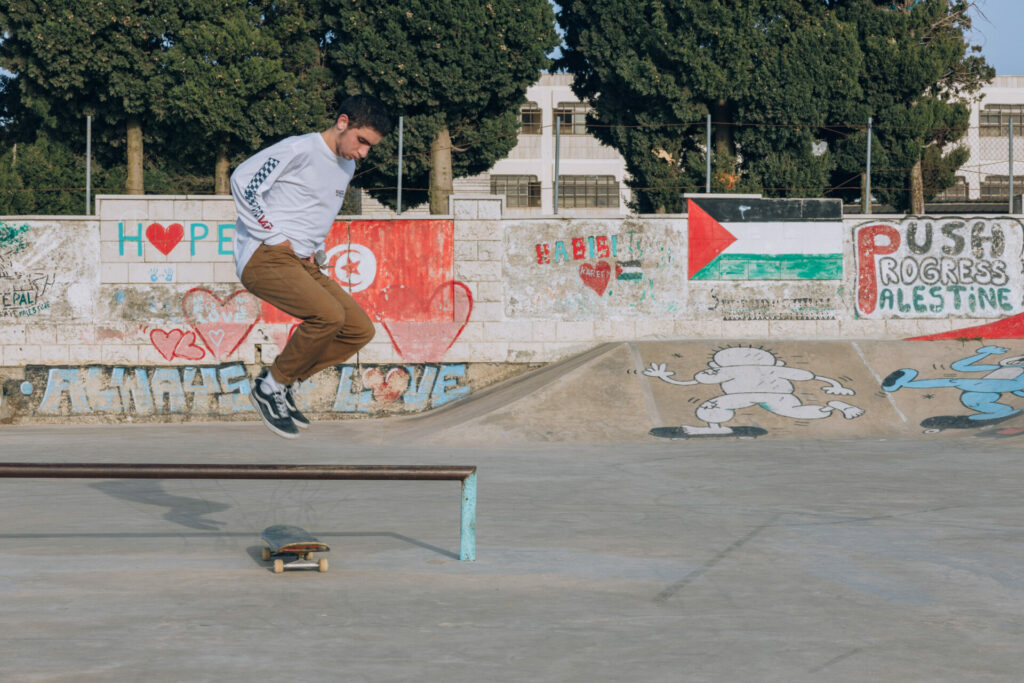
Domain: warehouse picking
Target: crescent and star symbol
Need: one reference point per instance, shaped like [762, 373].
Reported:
[355, 268]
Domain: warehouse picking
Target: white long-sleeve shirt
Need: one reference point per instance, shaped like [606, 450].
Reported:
[292, 190]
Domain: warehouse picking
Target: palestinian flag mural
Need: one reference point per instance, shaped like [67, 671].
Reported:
[735, 238]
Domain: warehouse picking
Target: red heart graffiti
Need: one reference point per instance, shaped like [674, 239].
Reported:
[386, 388]
[428, 341]
[222, 324]
[598, 275]
[176, 344]
[165, 239]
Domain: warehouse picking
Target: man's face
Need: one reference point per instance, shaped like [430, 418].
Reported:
[354, 143]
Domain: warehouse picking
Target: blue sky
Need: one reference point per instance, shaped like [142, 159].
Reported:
[997, 28]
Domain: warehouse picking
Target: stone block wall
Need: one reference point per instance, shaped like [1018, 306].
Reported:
[149, 283]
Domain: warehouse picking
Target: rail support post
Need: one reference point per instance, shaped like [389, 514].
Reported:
[467, 537]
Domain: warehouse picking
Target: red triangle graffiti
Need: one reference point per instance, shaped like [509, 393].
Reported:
[707, 238]
[1007, 328]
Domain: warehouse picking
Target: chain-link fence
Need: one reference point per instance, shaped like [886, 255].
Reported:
[996, 149]
[561, 166]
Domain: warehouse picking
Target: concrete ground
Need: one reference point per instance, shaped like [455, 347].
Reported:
[848, 559]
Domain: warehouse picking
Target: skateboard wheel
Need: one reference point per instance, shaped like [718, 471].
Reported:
[266, 554]
[322, 564]
[279, 566]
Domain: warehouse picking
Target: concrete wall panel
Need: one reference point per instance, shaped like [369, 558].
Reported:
[149, 283]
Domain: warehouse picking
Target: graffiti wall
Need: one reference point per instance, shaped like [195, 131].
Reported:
[924, 267]
[400, 271]
[150, 284]
[590, 269]
[48, 271]
[402, 274]
[161, 393]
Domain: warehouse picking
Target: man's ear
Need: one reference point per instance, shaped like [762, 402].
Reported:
[342, 122]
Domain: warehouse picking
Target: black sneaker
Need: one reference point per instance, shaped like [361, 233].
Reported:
[273, 408]
[300, 420]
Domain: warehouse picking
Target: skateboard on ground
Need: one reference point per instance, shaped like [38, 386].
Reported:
[284, 539]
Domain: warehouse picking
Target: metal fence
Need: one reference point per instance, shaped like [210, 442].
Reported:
[988, 176]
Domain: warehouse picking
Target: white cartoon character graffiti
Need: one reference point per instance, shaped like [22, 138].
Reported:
[754, 377]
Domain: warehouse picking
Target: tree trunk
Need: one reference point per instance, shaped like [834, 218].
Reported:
[440, 172]
[221, 175]
[916, 190]
[721, 114]
[133, 182]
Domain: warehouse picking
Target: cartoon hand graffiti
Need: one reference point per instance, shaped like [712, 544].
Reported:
[980, 394]
[754, 377]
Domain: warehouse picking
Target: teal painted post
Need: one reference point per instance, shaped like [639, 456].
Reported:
[467, 538]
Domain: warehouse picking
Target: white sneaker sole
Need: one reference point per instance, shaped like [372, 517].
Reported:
[259, 411]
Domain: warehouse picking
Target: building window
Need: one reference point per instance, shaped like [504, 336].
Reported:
[995, 120]
[997, 187]
[521, 191]
[572, 118]
[529, 117]
[956, 193]
[587, 191]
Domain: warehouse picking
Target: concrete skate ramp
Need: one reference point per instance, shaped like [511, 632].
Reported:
[712, 390]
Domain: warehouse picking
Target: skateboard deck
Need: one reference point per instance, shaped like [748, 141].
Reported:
[940, 422]
[680, 433]
[285, 539]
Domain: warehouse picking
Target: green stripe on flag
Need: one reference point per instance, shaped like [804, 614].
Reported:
[773, 267]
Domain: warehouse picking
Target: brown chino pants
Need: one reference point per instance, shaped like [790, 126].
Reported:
[333, 325]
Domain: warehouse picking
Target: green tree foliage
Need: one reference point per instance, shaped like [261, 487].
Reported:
[46, 177]
[755, 62]
[777, 76]
[243, 72]
[100, 58]
[456, 67]
[918, 70]
[42, 177]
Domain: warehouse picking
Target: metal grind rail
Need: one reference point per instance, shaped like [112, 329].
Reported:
[464, 473]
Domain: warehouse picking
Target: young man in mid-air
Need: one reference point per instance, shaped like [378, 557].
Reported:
[287, 197]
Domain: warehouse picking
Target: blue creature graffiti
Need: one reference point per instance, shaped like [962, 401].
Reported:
[983, 395]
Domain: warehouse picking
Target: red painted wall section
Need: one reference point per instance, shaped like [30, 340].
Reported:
[392, 268]
[402, 274]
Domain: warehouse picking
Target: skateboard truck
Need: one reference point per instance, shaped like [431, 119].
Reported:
[284, 539]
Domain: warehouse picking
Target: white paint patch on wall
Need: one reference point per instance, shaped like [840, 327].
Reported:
[595, 269]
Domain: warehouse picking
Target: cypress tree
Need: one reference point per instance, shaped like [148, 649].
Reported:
[105, 59]
[778, 77]
[240, 73]
[457, 69]
[919, 75]
[756, 63]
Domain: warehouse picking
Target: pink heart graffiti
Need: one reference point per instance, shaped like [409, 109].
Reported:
[176, 344]
[386, 388]
[428, 341]
[222, 324]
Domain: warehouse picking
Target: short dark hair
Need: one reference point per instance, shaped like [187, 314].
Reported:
[367, 110]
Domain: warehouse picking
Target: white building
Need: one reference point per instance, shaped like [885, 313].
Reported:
[986, 175]
[591, 176]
